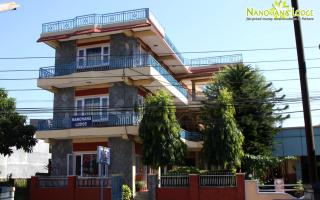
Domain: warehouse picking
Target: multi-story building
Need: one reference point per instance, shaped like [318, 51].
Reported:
[291, 141]
[104, 67]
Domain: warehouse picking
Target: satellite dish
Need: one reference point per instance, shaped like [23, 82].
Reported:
[8, 6]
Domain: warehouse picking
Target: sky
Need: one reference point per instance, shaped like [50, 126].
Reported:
[193, 26]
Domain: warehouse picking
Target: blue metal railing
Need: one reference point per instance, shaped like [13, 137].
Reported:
[191, 136]
[113, 119]
[174, 49]
[225, 59]
[115, 62]
[96, 19]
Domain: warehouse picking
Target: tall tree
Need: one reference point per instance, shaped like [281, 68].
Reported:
[160, 132]
[255, 100]
[222, 147]
[13, 129]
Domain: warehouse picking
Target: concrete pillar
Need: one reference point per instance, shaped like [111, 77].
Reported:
[71, 187]
[240, 178]
[122, 159]
[60, 149]
[194, 187]
[62, 105]
[194, 95]
[34, 185]
[152, 186]
[66, 57]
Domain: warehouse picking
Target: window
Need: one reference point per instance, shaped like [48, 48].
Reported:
[82, 164]
[93, 56]
[97, 107]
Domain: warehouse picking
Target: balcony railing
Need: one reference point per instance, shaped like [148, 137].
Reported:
[115, 62]
[112, 119]
[96, 19]
[226, 59]
[191, 136]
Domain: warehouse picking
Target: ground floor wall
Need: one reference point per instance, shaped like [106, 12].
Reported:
[67, 192]
[194, 191]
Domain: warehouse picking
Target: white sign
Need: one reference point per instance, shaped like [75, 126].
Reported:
[103, 155]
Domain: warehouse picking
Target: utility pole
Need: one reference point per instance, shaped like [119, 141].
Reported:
[305, 99]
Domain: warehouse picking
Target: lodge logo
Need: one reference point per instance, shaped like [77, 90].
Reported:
[279, 10]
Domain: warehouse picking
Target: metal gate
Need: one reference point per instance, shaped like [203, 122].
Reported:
[116, 187]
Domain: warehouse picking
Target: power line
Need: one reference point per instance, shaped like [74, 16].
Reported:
[174, 53]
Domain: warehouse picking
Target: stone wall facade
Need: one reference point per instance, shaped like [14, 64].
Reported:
[59, 150]
[66, 56]
[63, 103]
[122, 159]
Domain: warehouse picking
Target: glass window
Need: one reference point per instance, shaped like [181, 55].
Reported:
[105, 50]
[93, 56]
[79, 107]
[78, 165]
[96, 107]
[89, 165]
[104, 104]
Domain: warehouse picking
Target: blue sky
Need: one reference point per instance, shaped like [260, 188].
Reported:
[192, 26]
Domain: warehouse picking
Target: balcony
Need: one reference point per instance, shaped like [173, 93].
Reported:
[191, 135]
[225, 59]
[96, 20]
[110, 19]
[115, 62]
[113, 119]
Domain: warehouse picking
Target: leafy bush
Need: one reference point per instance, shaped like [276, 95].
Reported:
[140, 185]
[299, 189]
[126, 192]
[259, 167]
[185, 170]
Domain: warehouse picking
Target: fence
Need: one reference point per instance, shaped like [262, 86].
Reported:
[76, 188]
[174, 181]
[96, 19]
[92, 182]
[272, 188]
[116, 62]
[53, 182]
[218, 179]
[224, 186]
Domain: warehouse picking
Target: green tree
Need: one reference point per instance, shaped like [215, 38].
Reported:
[222, 147]
[13, 129]
[160, 132]
[255, 101]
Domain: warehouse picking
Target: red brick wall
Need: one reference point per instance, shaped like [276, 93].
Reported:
[71, 192]
[89, 146]
[195, 192]
[93, 91]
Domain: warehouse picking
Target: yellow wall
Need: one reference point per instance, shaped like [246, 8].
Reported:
[252, 193]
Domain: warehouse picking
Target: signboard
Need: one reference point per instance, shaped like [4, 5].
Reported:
[103, 155]
[81, 121]
[279, 185]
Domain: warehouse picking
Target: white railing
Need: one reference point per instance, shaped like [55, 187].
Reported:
[174, 181]
[226, 180]
[53, 182]
[272, 188]
[92, 182]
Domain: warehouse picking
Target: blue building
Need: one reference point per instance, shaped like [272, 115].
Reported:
[292, 142]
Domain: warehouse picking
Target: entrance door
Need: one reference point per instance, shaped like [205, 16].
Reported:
[83, 164]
